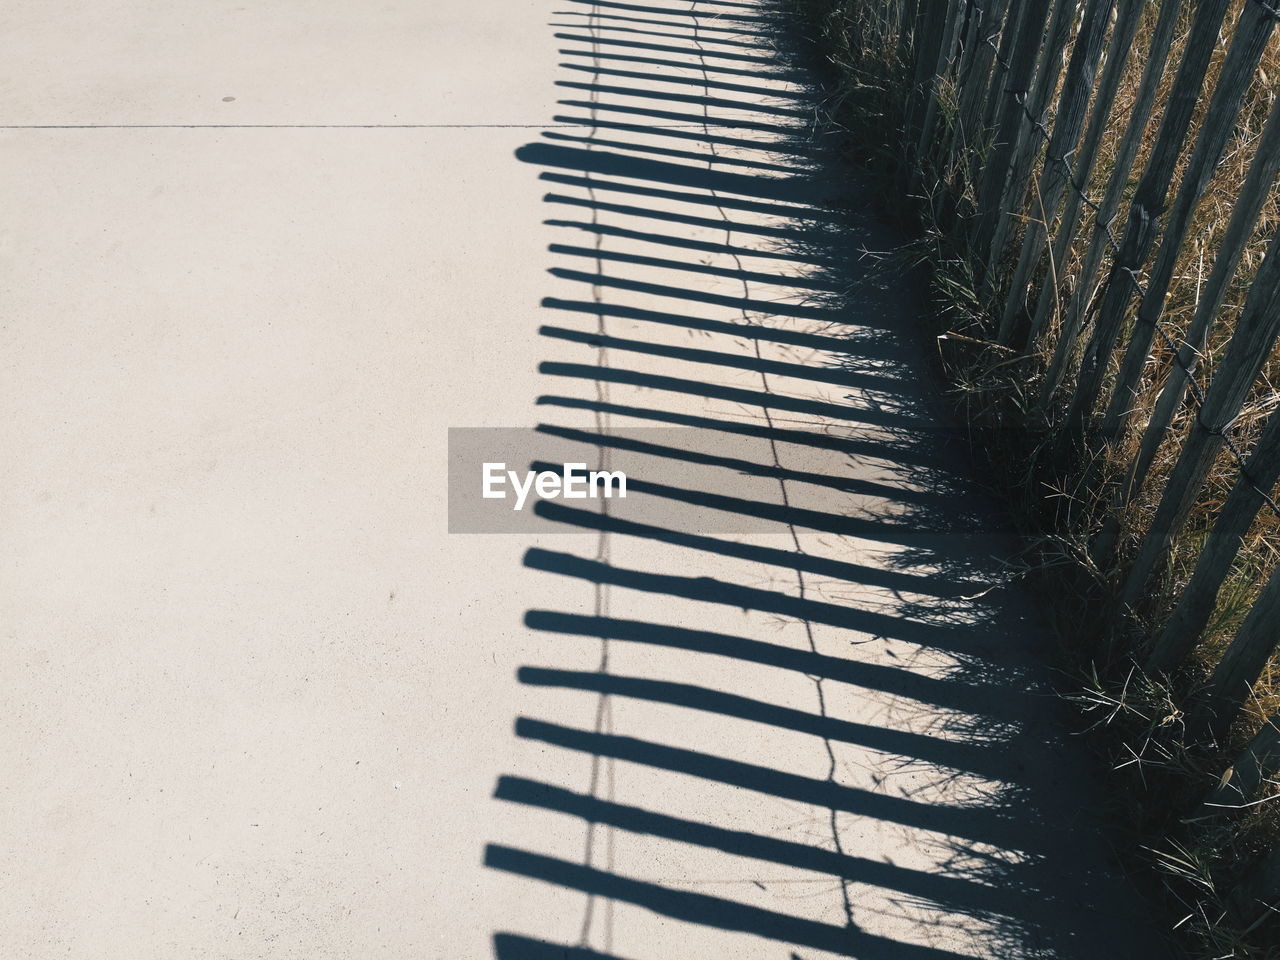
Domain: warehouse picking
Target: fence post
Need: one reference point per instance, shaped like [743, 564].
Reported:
[930, 31]
[1144, 212]
[1247, 45]
[993, 100]
[1196, 604]
[943, 61]
[907, 29]
[1253, 197]
[1258, 892]
[1157, 57]
[1055, 176]
[1012, 119]
[1244, 659]
[975, 83]
[1259, 761]
[1248, 350]
[970, 43]
[1029, 138]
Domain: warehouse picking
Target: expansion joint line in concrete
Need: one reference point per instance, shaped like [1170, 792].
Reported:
[603, 721]
[801, 586]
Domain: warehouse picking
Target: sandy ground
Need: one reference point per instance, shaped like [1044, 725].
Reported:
[260, 703]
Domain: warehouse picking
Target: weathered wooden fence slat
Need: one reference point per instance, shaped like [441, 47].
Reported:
[1005, 112]
[1258, 893]
[1254, 337]
[942, 66]
[1012, 119]
[973, 63]
[1238, 71]
[1010, 36]
[1258, 762]
[925, 52]
[1139, 117]
[968, 129]
[1030, 139]
[1244, 216]
[907, 29]
[1055, 177]
[1245, 658]
[1127, 21]
[1144, 213]
[1196, 603]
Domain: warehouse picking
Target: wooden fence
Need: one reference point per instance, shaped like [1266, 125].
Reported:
[1078, 214]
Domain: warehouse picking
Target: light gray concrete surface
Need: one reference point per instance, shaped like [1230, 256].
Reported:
[257, 701]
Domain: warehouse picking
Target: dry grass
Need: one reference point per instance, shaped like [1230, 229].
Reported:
[1138, 721]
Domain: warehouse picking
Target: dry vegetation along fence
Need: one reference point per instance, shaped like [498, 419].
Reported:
[1097, 179]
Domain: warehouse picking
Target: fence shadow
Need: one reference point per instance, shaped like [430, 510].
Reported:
[709, 265]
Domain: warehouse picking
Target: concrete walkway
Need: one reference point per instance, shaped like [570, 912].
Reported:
[260, 703]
